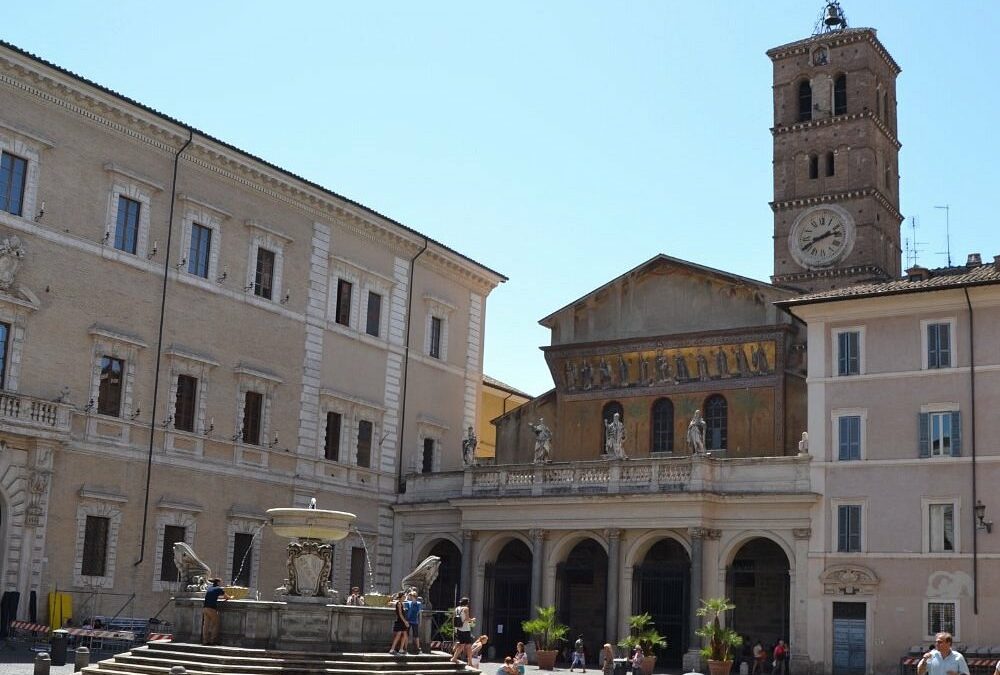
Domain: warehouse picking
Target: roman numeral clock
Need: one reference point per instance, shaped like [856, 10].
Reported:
[821, 236]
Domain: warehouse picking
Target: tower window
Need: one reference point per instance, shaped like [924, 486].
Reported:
[805, 101]
[840, 95]
[813, 167]
[831, 165]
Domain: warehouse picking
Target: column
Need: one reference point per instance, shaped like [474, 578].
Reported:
[614, 577]
[797, 595]
[692, 658]
[467, 541]
[537, 567]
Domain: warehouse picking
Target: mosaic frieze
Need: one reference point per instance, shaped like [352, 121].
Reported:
[663, 366]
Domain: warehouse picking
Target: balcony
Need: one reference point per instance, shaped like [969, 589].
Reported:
[21, 414]
[697, 473]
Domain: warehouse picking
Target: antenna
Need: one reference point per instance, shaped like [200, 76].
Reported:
[947, 231]
[913, 247]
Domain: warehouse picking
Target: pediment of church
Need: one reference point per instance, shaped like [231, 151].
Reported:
[849, 580]
[666, 296]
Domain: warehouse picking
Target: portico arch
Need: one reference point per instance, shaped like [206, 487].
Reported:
[661, 587]
[582, 588]
[758, 581]
[506, 594]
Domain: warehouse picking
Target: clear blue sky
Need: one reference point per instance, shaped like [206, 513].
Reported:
[560, 143]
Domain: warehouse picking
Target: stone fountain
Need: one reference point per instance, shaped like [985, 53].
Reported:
[309, 553]
[304, 615]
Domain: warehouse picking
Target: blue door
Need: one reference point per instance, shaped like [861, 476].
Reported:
[849, 638]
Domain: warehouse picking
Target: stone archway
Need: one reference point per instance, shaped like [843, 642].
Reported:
[661, 586]
[507, 596]
[582, 590]
[445, 590]
[758, 583]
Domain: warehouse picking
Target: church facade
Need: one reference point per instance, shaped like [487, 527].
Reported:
[667, 463]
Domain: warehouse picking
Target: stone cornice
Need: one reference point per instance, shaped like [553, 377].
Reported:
[874, 193]
[836, 39]
[131, 119]
[871, 271]
[839, 119]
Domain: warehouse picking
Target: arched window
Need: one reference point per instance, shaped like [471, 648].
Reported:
[805, 101]
[813, 167]
[831, 164]
[608, 414]
[840, 95]
[662, 426]
[716, 422]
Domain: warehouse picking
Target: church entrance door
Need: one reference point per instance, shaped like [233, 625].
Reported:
[446, 588]
[582, 582]
[758, 584]
[507, 597]
[661, 587]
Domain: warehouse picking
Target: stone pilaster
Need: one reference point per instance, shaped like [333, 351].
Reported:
[468, 543]
[692, 658]
[614, 576]
[537, 567]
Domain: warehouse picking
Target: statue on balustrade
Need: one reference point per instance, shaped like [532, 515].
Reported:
[614, 437]
[543, 441]
[469, 444]
[696, 433]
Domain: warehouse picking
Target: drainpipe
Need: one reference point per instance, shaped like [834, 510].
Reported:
[400, 483]
[159, 349]
[972, 415]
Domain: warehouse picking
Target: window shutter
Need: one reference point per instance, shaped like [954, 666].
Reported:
[956, 434]
[923, 433]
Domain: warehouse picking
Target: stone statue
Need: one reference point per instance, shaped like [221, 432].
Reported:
[614, 437]
[469, 444]
[192, 572]
[622, 371]
[804, 444]
[605, 370]
[696, 433]
[586, 376]
[11, 253]
[543, 441]
[422, 577]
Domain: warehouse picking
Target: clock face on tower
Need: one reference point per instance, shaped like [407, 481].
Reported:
[821, 236]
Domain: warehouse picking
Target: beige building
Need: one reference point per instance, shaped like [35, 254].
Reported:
[904, 378]
[191, 336]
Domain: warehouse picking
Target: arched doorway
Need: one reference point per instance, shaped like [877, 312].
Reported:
[661, 586]
[507, 596]
[758, 584]
[582, 582]
[446, 588]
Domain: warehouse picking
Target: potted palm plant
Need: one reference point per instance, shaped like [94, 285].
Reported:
[547, 633]
[643, 634]
[719, 641]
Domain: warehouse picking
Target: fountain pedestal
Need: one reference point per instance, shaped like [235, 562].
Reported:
[309, 558]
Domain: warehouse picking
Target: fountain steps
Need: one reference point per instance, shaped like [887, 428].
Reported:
[159, 658]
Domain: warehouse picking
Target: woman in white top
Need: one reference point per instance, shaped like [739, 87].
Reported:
[463, 631]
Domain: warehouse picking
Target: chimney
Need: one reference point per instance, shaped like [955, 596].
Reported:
[917, 273]
[996, 263]
[974, 260]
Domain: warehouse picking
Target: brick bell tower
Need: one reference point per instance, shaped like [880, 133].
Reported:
[836, 158]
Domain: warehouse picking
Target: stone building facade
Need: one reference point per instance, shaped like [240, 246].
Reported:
[191, 336]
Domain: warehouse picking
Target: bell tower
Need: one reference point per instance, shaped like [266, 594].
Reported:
[836, 158]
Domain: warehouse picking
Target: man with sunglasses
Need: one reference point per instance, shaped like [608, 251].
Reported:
[942, 660]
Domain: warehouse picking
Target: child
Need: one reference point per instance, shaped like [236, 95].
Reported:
[637, 661]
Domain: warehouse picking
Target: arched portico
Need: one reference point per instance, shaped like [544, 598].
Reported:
[661, 584]
[582, 588]
[506, 595]
[758, 582]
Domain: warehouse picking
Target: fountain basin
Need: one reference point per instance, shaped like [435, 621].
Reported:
[311, 523]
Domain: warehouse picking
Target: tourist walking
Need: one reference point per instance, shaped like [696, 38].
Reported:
[521, 659]
[400, 627]
[758, 658]
[413, 607]
[780, 658]
[942, 660]
[579, 655]
[608, 657]
[210, 612]
[464, 622]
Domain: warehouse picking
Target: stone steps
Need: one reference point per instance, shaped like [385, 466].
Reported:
[157, 658]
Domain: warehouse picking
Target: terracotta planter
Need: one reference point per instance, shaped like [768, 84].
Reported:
[546, 658]
[648, 663]
[719, 667]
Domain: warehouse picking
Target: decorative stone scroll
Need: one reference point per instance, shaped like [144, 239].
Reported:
[11, 252]
[309, 563]
[849, 580]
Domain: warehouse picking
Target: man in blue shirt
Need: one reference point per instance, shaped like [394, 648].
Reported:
[413, 605]
[210, 612]
[942, 660]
